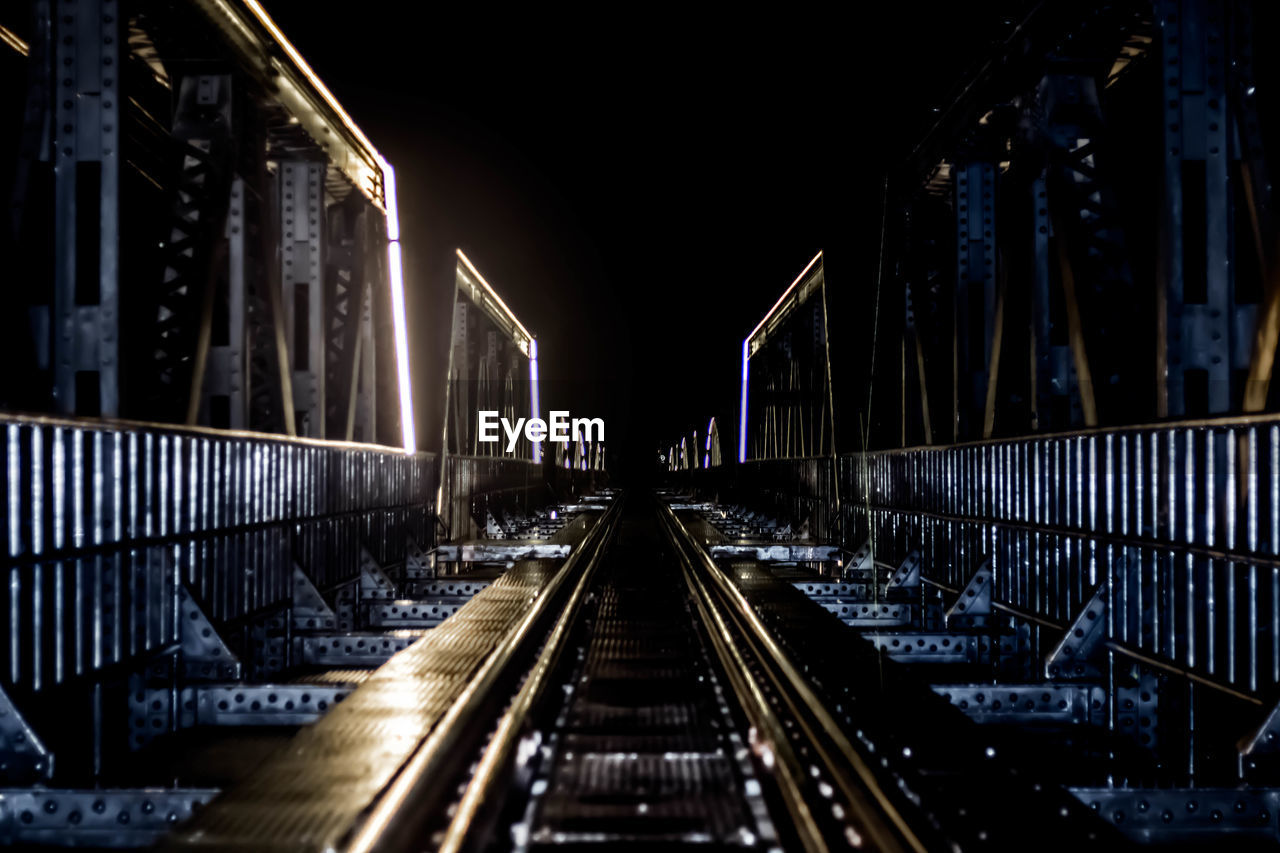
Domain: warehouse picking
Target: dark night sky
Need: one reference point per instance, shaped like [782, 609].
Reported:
[640, 187]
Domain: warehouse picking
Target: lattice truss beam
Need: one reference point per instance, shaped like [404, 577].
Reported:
[219, 244]
[1038, 290]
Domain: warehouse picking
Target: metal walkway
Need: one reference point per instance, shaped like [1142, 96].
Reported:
[312, 793]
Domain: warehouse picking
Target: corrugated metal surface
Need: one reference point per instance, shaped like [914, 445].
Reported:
[1184, 519]
[104, 522]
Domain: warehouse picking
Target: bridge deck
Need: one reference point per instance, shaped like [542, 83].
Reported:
[312, 792]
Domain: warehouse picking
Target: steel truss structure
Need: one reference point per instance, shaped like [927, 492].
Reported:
[493, 366]
[215, 515]
[250, 285]
[1064, 518]
[786, 405]
[1114, 590]
[1038, 293]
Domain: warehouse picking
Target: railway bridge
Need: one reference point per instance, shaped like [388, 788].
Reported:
[981, 552]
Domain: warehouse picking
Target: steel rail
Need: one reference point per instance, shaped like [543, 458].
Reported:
[419, 789]
[788, 772]
[721, 604]
[490, 771]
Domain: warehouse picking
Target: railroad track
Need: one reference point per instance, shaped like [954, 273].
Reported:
[640, 694]
[659, 712]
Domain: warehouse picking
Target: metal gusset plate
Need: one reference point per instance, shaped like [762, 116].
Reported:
[1260, 750]
[907, 575]
[374, 583]
[1188, 815]
[1027, 703]
[931, 647]
[153, 711]
[973, 607]
[265, 704]
[23, 756]
[776, 552]
[861, 562]
[859, 612]
[369, 649]
[98, 818]
[1138, 709]
[823, 589]
[440, 599]
[418, 563]
[310, 611]
[500, 551]
[864, 615]
[204, 655]
[414, 613]
[454, 587]
[1071, 657]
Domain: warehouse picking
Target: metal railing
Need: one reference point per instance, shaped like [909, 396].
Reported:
[105, 521]
[1183, 518]
[471, 483]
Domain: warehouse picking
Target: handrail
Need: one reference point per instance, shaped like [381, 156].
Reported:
[125, 425]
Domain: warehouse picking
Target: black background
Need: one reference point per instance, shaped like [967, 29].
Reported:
[639, 183]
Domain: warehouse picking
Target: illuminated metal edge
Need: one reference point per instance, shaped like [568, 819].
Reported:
[533, 393]
[786, 302]
[495, 307]
[260, 41]
[396, 270]
[121, 425]
[712, 434]
[775, 316]
[487, 300]
[10, 38]
[300, 90]
[742, 419]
